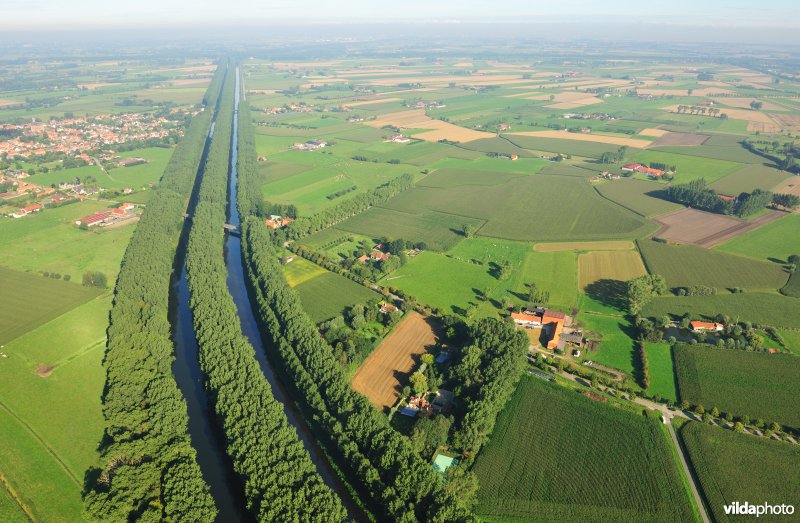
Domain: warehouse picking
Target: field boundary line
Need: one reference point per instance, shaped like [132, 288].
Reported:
[80, 352]
[695, 492]
[17, 501]
[41, 440]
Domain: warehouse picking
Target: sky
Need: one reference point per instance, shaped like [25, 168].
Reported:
[64, 14]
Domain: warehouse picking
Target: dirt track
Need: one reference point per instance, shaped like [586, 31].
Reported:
[707, 229]
[379, 376]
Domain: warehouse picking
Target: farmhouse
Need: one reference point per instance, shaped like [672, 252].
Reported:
[698, 326]
[399, 138]
[130, 162]
[311, 145]
[94, 219]
[276, 222]
[552, 322]
[639, 168]
[387, 308]
[27, 210]
[379, 256]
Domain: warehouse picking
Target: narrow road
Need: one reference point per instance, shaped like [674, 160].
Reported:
[695, 492]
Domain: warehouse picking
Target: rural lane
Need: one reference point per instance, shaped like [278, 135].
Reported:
[695, 492]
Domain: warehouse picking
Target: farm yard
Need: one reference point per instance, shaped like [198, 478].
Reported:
[759, 385]
[629, 463]
[379, 378]
[722, 458]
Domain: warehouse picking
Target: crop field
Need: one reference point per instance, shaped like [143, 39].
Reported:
[560, 145]
[760, 385]
[440, 231]
[775, 241]
[609, 265]
[758, 307]
[707, 229]
[378, 378]
[749, 178]
[662, 371]
[30, 300]
[547, 436]
[324, 294]
[638, 196]
[449, 178]
[792, 287]
[50, 241]
[530, 208]
[684, 265]
[50, 417]
[582, 137]
[722, 458]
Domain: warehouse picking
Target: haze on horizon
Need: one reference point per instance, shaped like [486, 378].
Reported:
[56, 14]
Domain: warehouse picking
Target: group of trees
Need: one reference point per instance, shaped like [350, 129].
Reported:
[641, 352]
[700, 109]
[783, 153]
[94, 279]
[643, 289]
[281, 482]
[400, 485]
[615, 156]
[698, 195]
[487, 371]
[148, 465]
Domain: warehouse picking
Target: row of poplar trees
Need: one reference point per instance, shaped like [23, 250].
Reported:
[148, 467]
[281, 483]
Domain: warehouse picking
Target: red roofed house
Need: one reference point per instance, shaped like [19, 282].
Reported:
[276, 222]
[553, 320]
[631, 167]
[95, 219]
[119, 211]
[698, 326]
[526, 319]
[33, 208]
[386, 308]
[727, 198]
[379, 256]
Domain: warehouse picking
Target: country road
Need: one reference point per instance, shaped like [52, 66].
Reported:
[692, 485]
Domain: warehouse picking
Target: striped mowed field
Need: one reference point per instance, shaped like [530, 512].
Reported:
[609, 265]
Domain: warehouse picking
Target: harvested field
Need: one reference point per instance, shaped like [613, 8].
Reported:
[609, 265]
[378, 377]
[183, 82]
[707, 229]
[788, 122]
[653, 132]
[90, 86]
[708, 91]
[417, 119]
[680, 139]
[584, 246]
[583, 137]
[575, 104]
[9, 103]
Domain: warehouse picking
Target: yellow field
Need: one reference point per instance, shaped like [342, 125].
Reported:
[621, 245]
[658, 133]
[300, 270]
[417, 119]
[376, 101]
[609, 265]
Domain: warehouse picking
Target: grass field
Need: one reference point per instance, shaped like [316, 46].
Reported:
[440, 231]
[775, 241]
[616, 342]
[622, 245]
[30, 300]
[749, 178]
[759, 307]
[684, 265]
[737, 467]
[530, 208]
[555, 455]
[690, 167]
[662, 372]
[378, 378]
[560, 145]
[442, 282]
[619, 266]
[324, 294]
[792, 287]
[50, 241]
[759, 385]
[50, 426]
[638, 196]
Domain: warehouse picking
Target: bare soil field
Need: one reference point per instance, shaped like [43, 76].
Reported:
[788, 122]
[708, 91]
[91, 86]
[378, 378]
[680, 139]
[609, 265]
[8, 103]
[191, 81]
[617, 245]
[417, 119]
[707, 229]
[599, 138]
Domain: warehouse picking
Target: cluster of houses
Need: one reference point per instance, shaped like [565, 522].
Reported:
[424, 405]
[378, 253]
[425, 105]
[311, 145]
[302, 107]
[107, 217]
[276, 222]
[22, 188]
[588, 116]
[639, 168]
[76, 136]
